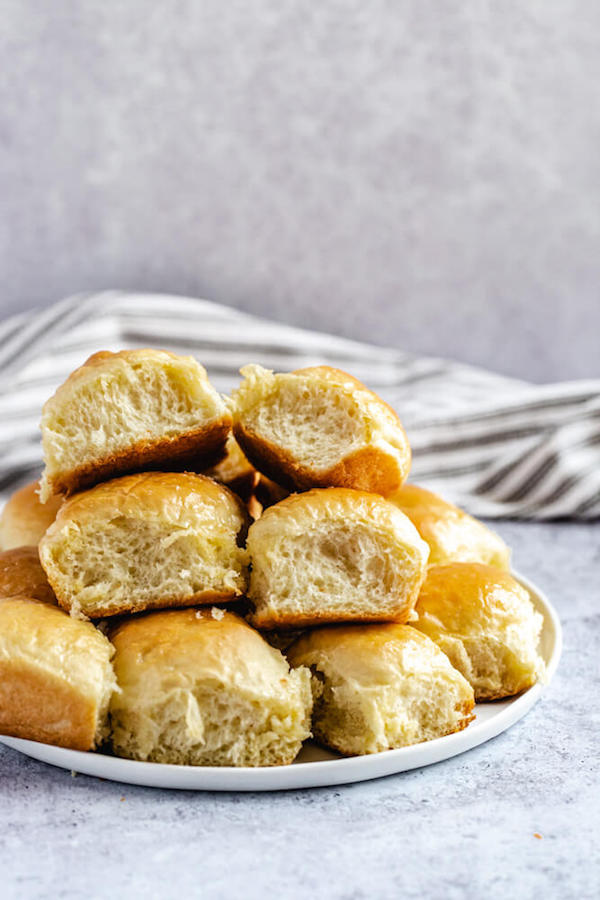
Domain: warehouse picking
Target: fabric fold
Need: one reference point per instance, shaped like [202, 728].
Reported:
[498, 446]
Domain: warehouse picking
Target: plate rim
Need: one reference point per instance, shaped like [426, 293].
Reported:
[317, 773]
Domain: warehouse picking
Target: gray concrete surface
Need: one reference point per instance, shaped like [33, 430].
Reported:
[418, 174]
[463, 829]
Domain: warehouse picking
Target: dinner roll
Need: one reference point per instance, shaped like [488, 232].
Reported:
[267, 492]
[319, 427]
[333, 555]
[264, 495]
[378, 687]
[21, 575]
[485, 623]
[202, 688]
[24, 519]
[149, 540]
[127, 411]
[56, 676]
[452, 535]
[254, 507]
[235, 471]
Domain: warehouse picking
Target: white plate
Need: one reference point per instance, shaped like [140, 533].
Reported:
[316, 767]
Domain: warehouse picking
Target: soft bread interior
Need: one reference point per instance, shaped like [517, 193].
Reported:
[136, 398]
[316, 418]
[214, 725]
[293, 412]
[206, 690]
[409, 712]
[348, 569]
[396, 692]
[107, 553]
[108, 565]
[493, 667]
[337, 564]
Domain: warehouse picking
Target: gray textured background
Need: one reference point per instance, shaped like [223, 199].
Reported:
[418, 174]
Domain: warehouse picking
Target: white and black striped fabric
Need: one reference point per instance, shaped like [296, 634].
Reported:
[497, 446]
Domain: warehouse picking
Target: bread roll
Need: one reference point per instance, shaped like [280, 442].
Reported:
[145, 541]
[202, 688]
[56, 677]
[128, 411]
[452, 535]
[267, 492]
[486, 624]
[333, 555]
[254, 507]
[319, 427]
[378, 687]
[235, 471]
[21, 575]
[24, 519]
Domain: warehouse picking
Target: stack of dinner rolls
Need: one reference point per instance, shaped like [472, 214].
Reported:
[179, 541]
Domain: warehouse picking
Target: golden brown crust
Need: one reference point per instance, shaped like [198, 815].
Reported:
[265, 494]
[152, 631]
[144, 491]
[195, 450]
[38, 706]
[55, 675]
[463, 594]
[322, 499]
[473, 603]
[148, 496]
[268, 492]
[25, 519]
[358, 471]
[235, 471]
[484, 696]
[268, 459]
[198, 441]
[290, 620]
[205, 598]
[368, 469]
[243, 485]
[201, 687]
[350, 661]
[254, 507]
[298, 515]
[451, 533]
[21, 574]
[367, 644]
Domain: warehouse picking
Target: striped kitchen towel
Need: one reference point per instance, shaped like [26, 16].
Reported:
[497, 446]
